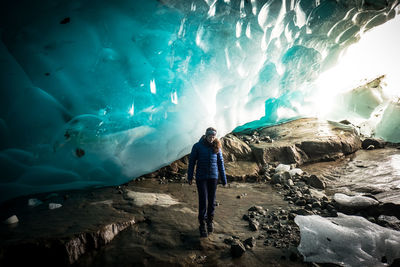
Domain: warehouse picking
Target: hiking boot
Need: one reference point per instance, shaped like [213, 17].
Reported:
[202, 229]
[210, 225]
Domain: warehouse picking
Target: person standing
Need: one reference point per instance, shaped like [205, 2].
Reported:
[207, 155]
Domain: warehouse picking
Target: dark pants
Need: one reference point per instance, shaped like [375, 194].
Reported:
[206, 188]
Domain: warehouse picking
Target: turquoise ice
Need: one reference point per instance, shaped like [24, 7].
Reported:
[96, 93]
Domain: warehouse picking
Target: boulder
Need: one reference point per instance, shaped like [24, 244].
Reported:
[253, 224]
[376, 143]
[241, 170]
[280, 178]
[389, 221]
[237, 249]
[316, 182]
[305, 140]
[251, 242]
[235, 149]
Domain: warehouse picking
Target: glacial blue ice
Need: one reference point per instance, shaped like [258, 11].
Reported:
[96, 93]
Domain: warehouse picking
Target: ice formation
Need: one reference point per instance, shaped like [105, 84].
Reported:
[354, 201]
[347, 241]
[96, 93]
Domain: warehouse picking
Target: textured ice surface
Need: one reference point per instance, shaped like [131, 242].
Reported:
[95, 93]
[141, 199]
[282, 168]
[347, 241]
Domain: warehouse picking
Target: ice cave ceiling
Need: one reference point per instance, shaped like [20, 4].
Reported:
[95, 93]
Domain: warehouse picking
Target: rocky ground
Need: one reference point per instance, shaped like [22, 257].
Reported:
[274, 174]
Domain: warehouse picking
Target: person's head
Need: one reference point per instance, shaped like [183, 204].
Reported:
[211, 134]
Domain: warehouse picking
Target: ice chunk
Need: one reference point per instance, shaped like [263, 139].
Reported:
[354, 201]
[33, 202]
[389, 126]
[282, 168]
[295, 171]
[140, 199]
[347, 241]
[364, 99]
[11, 220]
[53, 206]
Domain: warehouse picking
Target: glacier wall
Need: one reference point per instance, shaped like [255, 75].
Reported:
[96, 93]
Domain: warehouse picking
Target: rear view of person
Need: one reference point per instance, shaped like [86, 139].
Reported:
[207, 155]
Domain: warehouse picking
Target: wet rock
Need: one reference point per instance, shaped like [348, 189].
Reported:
[254, 225]
[258, 209]
[229, 240]
[329, 207]
[389, 221]
[308, 207]
[300, 202]
[303, 212]
[333, 213]
[280, 178]
[316, 182]
[237, 249]
[346, 122]
[376, 143]
[316, 204]
[251, 242]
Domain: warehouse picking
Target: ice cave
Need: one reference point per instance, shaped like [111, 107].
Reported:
[97, 93]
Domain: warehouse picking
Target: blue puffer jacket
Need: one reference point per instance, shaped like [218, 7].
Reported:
[209, 164]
